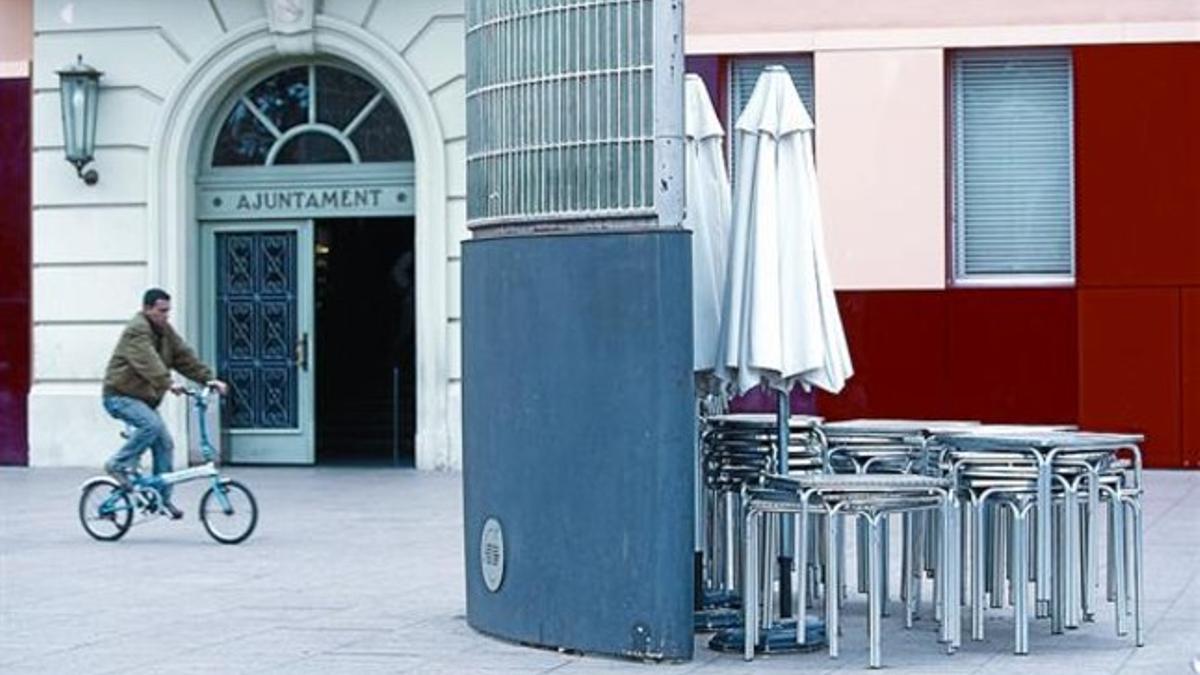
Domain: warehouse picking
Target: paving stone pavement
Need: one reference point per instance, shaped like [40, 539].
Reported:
[360, 571]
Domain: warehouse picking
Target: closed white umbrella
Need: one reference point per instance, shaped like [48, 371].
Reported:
[780, 324]
[779, 320]
[707, 194]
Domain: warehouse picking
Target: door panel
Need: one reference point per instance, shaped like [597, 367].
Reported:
[260, 325]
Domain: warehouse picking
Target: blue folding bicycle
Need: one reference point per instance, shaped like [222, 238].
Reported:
[228, 509]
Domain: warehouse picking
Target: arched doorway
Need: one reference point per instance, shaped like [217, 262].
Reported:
[305, 200]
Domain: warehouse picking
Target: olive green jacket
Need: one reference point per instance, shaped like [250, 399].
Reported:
[142, 361]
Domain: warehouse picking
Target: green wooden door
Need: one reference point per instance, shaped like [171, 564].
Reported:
[257, 321]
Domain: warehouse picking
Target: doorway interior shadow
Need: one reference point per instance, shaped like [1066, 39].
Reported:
[365, 341]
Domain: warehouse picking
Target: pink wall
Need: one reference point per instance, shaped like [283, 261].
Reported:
[753, 16]
[16, 36]
[880, 134]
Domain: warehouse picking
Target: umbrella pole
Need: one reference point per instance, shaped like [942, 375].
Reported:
[784, 413]
[698, 512]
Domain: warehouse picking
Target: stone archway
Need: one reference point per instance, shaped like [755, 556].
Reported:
[175, 151]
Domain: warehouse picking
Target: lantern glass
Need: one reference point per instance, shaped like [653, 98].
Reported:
[80, 93]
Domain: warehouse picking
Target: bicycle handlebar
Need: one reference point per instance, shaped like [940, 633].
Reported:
[199, 392]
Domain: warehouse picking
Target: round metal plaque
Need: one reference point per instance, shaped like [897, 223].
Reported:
[491, 554]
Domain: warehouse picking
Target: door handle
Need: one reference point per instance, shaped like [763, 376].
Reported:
[302, 351]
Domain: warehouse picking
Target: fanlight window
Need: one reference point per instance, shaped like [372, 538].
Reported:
[314, 114]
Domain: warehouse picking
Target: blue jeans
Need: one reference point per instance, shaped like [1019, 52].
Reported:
[148, 432]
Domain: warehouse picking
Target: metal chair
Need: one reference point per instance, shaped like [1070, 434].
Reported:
[870, 497]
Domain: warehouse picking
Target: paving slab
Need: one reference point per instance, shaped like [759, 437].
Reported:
[361, 571]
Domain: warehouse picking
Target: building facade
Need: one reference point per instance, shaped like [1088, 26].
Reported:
[292, 172]
[1010, 196]
[1009, 190]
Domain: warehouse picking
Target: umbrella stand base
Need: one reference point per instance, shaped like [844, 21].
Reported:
[778, 639]
[717, 618]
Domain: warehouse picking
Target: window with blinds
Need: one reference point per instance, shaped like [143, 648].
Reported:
[1013, 159]
[743, 75]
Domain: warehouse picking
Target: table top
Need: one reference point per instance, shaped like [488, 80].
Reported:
[896, 426]
[767, 421]
[1044, 439]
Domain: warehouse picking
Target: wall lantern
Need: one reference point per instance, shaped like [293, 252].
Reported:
[79, 89]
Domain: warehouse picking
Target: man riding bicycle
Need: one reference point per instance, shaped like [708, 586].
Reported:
[137, 378]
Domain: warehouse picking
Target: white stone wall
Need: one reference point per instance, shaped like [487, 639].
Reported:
[95, 248]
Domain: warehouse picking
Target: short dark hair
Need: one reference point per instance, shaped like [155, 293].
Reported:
[153, 295]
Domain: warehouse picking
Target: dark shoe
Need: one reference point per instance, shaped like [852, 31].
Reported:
[174, 511]
[119, 474]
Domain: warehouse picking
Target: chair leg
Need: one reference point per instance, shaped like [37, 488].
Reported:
[956, 571]
[843, 586]
[1110, 547]
[938, 534]
[802, 577]
[916, 577]
[875, 590]
[1000, 555]
[978, 552]
[1091, 579]
[1044, 531]
[1135, 510]
[1128, 557]
[967, 524]
[1020, 546]
[908, 579]
[905, 538]
[1058, 559]
[1074, 541]
[948, 581]
[832, 586]
[885, 543]
[860, 550]
[1117, 571]
[750, 587]
[767, 568]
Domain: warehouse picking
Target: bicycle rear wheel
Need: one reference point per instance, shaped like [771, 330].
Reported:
[233, 524]
[105, 510]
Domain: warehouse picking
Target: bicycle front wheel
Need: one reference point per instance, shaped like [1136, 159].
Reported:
[105, 510]
[230, 515]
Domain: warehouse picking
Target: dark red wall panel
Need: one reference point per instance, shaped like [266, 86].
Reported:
[897, 342]
[1129, 367]
[1012, 355]
[14, 381]
[1190, 376]
[15, 216]
[991, 355]
[1137, 149]
[15, 209]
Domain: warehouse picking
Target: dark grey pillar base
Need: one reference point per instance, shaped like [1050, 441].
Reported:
[577, 420]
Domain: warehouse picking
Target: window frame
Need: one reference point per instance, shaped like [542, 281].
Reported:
[241, 90]
[956, 242]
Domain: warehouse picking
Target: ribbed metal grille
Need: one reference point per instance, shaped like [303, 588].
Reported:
[560, 110]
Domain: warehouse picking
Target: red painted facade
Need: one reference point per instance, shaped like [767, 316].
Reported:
[1129, 356]
[15, 215]
[898, 344]
[1138, 226]
[1190, 376]
[1138, 165]
[1012, 355]
[991, 355]
[1121, 350]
